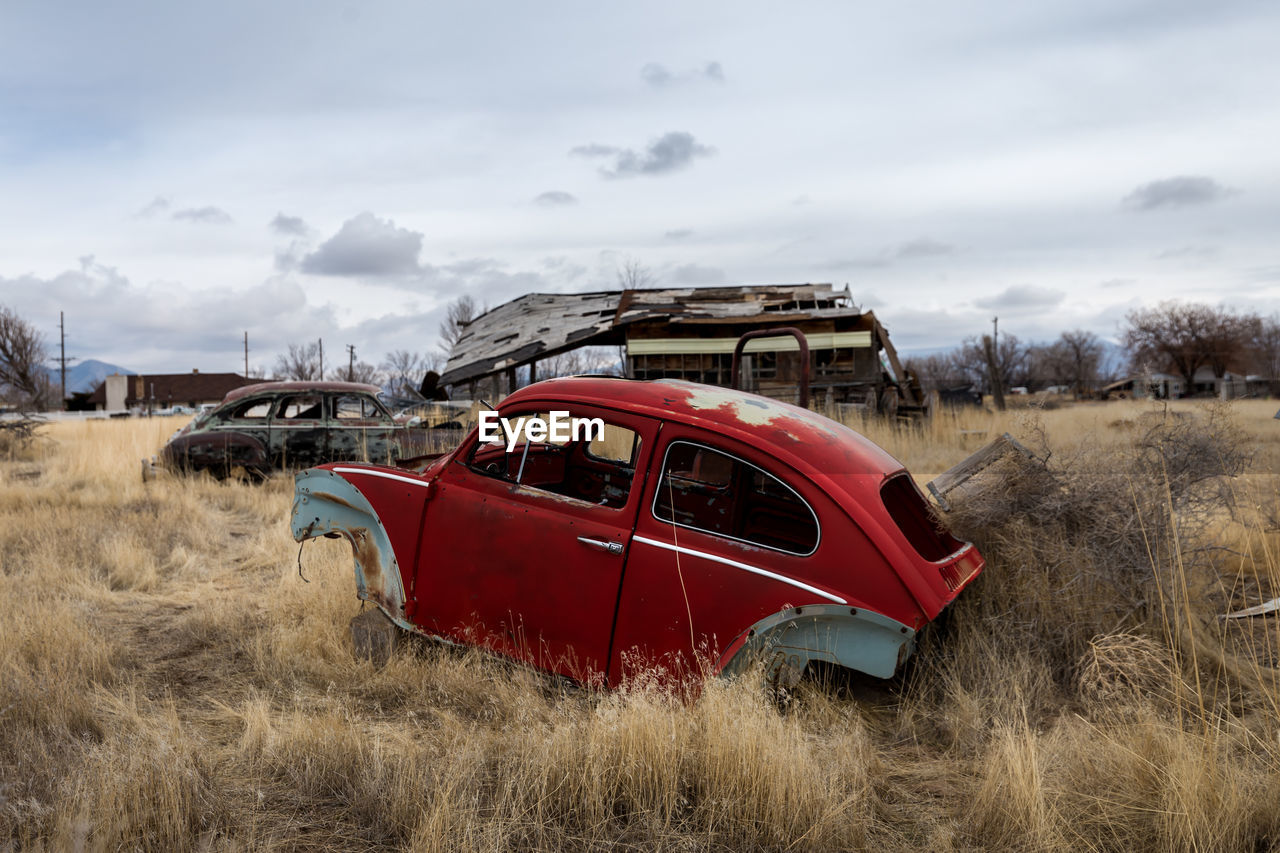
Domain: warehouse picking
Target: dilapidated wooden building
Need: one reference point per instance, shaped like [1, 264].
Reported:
[690, 333]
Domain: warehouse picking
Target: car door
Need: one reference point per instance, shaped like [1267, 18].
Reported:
[725, 538]
[524, 547]
[360, 429]
[299, 435]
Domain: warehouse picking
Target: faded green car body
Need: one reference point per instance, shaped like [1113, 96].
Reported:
[289, 425]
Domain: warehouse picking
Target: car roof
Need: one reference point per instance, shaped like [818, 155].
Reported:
[812, 443]
[298, 385]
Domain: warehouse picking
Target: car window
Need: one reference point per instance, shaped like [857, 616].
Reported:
[251, 410]
[595, 464]
[705, 489]
[618, 445]
[355, 407]
[299, 407]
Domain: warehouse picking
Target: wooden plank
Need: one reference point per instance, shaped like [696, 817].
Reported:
[952, 478]
[904, 387]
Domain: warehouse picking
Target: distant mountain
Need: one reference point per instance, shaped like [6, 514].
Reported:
[87, 375]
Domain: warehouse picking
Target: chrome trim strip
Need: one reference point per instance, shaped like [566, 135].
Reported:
[755, 570]
[383, 474]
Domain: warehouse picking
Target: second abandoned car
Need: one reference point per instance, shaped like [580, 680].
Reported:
[273, 425]
[702, 530]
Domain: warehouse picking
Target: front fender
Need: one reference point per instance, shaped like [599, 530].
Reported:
[216, 451]
[852, 637]
[326, 504]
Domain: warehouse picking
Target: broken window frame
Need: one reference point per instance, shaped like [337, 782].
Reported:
[237, 414]
[735, 480]
[290, 399]
[370, 408]
[565, 449]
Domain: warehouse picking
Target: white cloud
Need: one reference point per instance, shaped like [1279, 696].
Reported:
[659, 77]
[290, 226]
[555, 198]
[207, 215]
[1180, 191]
[1022, 297]
[454, 134]
[367, 246]
[668, 153]
[695, 274]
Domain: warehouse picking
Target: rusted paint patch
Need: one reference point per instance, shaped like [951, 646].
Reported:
[327, 496]
[326, 504]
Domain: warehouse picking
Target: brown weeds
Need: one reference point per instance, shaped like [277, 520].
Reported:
[168, 682]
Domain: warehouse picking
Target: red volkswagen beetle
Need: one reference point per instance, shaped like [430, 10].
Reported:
[602, 528]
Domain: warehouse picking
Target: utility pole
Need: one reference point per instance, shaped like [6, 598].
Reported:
[62, 359]
[246, 354]
[321, 340]
[993, 371]
[62, 343]
[351, 363]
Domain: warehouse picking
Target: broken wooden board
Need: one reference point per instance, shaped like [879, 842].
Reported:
[954, 477]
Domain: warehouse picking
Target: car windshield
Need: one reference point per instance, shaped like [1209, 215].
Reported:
[203, 418]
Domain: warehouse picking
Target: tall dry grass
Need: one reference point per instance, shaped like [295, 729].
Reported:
[169, 680]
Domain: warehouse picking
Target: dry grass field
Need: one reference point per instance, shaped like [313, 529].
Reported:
[169, 680]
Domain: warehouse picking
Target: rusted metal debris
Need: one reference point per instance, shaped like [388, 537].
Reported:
[690, 333]
[289, 425]
[1260, 610]
[374, 636]
[803, 402]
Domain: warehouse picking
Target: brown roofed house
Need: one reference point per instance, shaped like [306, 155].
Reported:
[164, 390]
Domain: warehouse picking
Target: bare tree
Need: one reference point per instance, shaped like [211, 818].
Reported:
[1264, 347]
[458, 315]
[597, 360]
[1227, 343]
[633, 275]
[302, 361]
[1010, 360]
[405, 370]
[1185, 336]
[23, 377]
[569, 363]
[1073, 360]
[937, 371]
[363, 371]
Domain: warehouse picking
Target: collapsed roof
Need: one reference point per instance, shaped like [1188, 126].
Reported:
[540, 325]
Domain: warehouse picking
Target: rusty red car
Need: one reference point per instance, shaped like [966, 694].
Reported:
[698, 530]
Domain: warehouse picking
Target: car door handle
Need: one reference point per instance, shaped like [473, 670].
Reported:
[601, 544]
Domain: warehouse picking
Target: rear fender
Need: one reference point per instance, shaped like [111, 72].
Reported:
[326, 504]
[852, 637]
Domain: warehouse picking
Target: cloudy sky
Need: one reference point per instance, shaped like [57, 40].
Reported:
[173, 175]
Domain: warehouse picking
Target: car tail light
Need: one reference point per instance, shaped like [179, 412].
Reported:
[956, 573]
